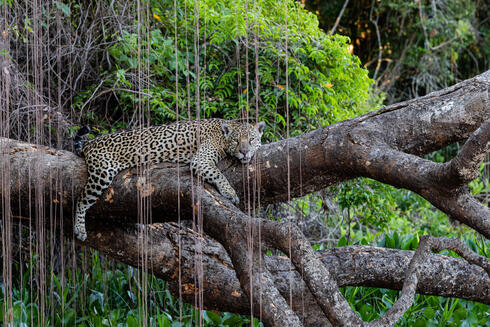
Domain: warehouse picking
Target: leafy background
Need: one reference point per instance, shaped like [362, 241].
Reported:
[325, 84]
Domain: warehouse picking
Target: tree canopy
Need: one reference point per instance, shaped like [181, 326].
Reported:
[243, 49]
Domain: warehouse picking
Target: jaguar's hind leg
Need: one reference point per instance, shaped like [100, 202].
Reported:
[98, 181]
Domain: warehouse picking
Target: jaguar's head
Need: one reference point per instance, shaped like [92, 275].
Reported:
[242, 139]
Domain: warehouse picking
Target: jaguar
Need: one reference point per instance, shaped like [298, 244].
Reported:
[200, 143]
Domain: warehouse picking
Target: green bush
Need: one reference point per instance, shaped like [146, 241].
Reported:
[326, 82]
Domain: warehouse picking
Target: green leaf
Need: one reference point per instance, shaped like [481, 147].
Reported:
[64, 8]
[420, 323]
[342, 241]
[390, 242]
[365, 311]
[131, 321]
[163, 321]
[210, 316]
[233, 320]
[429, 312]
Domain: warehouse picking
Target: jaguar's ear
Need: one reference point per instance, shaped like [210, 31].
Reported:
[225, 127]
[260, 127]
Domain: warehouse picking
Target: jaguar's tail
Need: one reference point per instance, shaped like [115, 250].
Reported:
[78, 140]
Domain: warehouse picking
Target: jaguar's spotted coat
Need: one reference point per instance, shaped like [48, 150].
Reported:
[109, 154]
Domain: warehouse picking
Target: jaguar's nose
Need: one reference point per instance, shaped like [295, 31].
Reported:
[244, 151]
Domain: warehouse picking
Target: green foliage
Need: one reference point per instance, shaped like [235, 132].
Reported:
[102, 296]
[371, 200]
[326, 83]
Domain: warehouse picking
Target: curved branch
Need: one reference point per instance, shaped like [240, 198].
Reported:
[443, 243]
[464, 168]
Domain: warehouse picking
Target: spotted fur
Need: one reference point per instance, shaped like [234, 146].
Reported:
[109, 154]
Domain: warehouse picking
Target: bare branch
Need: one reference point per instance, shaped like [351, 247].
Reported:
[465, 166]
[378, 35]
[337, 21]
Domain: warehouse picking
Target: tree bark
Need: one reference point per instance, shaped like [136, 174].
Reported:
[385, 145]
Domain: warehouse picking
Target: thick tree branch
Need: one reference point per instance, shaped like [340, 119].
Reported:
[417, 127]
[326, 156]
[423, 177]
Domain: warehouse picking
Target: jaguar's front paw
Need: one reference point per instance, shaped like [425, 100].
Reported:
[80, 233]
[231, 195]
[235, 199]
